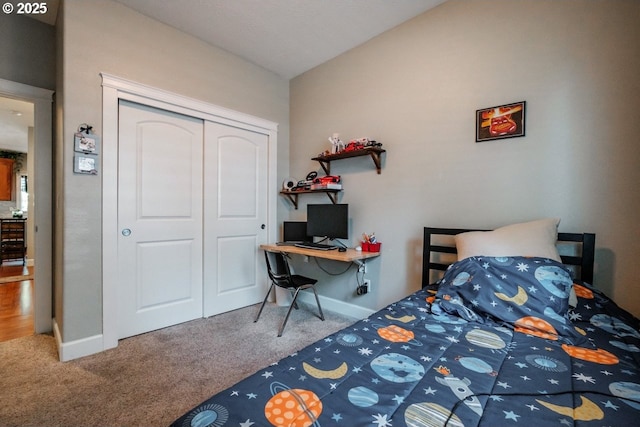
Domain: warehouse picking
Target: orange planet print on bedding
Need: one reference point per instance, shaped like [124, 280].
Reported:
[293, 408]
[582, 292]
[599, 355]
[395, 333]
[535, 326]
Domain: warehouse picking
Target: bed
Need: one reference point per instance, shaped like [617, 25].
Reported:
[497, 340]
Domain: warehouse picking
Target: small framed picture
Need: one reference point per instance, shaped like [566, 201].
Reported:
[85, 165]
[502, 121]
[86, 143]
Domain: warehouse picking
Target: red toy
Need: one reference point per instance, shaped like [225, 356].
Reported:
[353, 146]
[328, 179]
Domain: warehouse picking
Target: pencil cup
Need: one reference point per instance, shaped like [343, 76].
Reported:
[371, 247]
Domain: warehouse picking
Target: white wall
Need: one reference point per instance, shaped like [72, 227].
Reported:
[416, 89]
[105, 36]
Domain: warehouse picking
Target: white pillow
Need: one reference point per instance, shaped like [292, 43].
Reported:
[534, 239]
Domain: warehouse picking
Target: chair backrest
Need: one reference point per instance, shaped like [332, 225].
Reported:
[278, 268]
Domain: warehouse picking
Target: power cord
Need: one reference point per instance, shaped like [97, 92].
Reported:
[329, 272]
[361, 288]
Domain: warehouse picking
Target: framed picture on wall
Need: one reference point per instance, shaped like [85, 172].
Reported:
[499, 122]
[86, 143]
[85, 165]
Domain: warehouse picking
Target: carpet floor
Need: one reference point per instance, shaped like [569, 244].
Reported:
[153, 378]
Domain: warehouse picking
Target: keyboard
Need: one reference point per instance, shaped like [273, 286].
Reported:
[318, 246]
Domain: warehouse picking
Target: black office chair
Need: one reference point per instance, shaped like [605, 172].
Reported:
[280, 275]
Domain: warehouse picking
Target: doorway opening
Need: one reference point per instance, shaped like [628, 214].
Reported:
[17, 289]
[39, 187]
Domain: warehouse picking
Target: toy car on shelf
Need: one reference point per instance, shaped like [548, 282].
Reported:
[360, 143]
[326, 179]
[328, 182]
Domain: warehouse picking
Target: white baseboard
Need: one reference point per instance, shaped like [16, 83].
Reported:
[95, 344]
[337, 306]
[79, 348]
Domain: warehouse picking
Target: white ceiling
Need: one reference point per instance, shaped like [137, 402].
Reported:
[15, 119]
[287, 37]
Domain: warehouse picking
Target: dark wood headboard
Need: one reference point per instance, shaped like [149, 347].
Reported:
[438, 254]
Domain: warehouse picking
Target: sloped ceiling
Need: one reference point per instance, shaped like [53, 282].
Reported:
[287, 37]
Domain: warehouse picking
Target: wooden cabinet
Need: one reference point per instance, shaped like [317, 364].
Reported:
[12, 240]
[6, 179]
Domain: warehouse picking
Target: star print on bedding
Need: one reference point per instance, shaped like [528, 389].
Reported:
[531, 295]
[406, 367]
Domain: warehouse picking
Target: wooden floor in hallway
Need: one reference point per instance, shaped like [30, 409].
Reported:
[16, 301]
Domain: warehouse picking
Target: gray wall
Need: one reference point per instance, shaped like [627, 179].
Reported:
[27, 51]
[124, 43]
[28, 56]
[416, 89]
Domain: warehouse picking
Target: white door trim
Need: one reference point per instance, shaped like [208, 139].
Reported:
[115, 88]
[42, 182]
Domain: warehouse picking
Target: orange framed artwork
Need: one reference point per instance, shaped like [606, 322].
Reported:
[500, 122]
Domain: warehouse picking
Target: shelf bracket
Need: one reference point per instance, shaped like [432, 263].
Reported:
[326, 166]
[293, 197]
[333, 197]
[376, 160]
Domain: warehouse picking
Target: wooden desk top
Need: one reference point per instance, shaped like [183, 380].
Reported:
[349, 256]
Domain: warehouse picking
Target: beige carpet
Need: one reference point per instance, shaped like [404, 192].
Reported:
[150, 379]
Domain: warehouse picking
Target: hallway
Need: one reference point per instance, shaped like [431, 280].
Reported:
[16, 301]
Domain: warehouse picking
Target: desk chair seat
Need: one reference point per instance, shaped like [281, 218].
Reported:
[280, 275]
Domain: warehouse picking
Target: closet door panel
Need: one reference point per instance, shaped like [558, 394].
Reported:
[235, 209]
[159, 219]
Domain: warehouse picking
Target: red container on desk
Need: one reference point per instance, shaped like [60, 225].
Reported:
[371, 247]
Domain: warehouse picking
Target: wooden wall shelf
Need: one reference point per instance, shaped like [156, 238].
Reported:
[374, 152]
[293, 195]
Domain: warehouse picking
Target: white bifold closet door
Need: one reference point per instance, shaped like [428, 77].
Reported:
[191, 204]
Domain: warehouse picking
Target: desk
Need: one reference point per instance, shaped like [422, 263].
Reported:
[351, 255]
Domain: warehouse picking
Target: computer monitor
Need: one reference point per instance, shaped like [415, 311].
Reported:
[328, 220]
[295, 232]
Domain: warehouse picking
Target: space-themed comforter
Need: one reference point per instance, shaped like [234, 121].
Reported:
[497, 342]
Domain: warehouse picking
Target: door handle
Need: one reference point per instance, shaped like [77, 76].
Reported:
[126, 232]
[263, 226]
